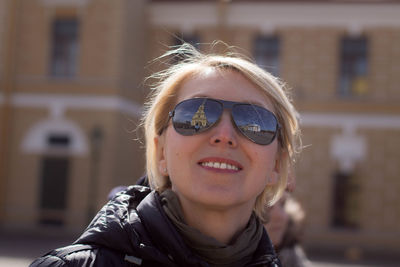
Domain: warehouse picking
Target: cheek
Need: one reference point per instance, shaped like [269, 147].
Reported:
[177, 152]
[173, 157]
[172, 146]
[265, 165]
[266, 158]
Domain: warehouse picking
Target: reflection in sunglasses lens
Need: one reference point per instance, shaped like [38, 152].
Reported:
[197, 115]
[257, 123]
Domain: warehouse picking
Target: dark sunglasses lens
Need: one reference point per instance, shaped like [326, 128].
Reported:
[196, 115]
[258, 124]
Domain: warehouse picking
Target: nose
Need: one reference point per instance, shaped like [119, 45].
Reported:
[224, 133]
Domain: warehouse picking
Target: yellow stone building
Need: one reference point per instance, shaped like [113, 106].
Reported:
[71, 91]
[199, 118]
[71, 94]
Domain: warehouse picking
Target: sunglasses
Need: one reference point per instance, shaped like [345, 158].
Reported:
[197, 115]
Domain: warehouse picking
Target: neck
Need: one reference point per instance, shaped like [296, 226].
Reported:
[223, 225]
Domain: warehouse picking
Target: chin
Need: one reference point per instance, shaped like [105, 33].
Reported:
[220, 198]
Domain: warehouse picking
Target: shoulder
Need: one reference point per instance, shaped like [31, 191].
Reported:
[67, 256]
[81, 255]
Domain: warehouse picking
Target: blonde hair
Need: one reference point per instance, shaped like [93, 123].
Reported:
[164, 97]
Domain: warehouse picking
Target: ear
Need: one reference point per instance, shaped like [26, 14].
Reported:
[272, 179]
[160, 155]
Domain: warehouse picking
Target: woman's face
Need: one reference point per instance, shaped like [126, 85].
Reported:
[182, 156]
[278, 221]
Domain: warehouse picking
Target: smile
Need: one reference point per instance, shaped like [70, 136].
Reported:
[220, 165]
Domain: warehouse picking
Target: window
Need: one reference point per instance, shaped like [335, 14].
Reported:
[58, 140]
[266, 53]
[345, 201]
[54, 183]
[64, 47]
[354, 66]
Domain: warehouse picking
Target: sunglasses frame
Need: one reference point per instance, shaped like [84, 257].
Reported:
[228, 105]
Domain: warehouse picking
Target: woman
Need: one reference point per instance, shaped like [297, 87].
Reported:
[284, 227]
[220, 137]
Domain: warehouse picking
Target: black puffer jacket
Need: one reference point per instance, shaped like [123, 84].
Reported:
[133, 230]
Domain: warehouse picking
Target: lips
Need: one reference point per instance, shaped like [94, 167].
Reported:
[221, 164]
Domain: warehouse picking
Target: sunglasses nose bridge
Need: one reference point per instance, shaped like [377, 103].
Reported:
[227, 107]
[227, 104]
[225, 130]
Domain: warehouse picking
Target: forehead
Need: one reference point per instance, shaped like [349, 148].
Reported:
[223, 84]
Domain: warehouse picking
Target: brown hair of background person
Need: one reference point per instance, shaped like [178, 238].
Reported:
[285, 228]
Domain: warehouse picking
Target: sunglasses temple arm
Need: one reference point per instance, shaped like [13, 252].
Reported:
[170, 115]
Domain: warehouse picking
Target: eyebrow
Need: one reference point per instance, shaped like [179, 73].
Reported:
[251, 102]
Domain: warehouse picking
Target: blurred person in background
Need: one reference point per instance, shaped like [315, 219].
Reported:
[221, 135]
[285, 229]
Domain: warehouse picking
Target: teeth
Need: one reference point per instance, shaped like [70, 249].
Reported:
[219, 165]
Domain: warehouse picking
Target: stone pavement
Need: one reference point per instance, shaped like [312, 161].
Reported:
[19, 250]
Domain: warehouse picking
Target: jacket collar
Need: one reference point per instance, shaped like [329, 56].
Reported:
[135, 222]
[164, 234]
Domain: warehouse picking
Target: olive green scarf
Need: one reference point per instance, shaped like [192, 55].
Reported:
[238, 253]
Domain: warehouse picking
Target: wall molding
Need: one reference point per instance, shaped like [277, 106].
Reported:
[350, 121]
[353, 17]
[58, 103]
[35, 139]
[349, 147]
[65, 3]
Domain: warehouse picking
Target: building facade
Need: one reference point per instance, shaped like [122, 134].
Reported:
[71, 98]
[75, 94]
